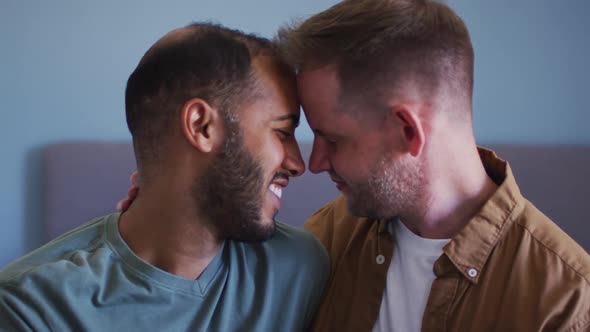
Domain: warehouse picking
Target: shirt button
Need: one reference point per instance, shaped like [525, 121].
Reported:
[472, 273]
[380, 259]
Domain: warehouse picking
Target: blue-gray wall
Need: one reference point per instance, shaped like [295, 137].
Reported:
[532, 69]
[63, 67]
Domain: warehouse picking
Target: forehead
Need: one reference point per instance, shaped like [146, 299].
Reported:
[327, 110]
[276, 93]
[318, 91]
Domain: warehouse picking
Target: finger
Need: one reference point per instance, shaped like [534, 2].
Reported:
[119, 205]
[125, 206]
[132, 193]
[134, 178]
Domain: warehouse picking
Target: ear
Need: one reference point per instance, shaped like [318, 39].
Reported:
[200, 124]
[412, 130]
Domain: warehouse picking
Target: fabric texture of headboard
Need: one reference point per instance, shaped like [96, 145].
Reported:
[84, 180]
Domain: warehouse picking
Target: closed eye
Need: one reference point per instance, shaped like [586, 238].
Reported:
[284, 134]
[326, 138]
[330, 140]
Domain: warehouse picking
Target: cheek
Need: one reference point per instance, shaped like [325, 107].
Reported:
[352, 166]
[270, 154]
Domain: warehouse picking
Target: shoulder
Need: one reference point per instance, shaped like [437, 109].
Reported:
[552, 243]
[337, 228]
[57, 257]
[301, 265]
[328, 216]
[556, 268]
[63, 268]
[299, 243]
[292, 253]
[19, 311]
[331, 220]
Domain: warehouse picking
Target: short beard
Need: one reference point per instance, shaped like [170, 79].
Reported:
[230, 192]
[394, 189]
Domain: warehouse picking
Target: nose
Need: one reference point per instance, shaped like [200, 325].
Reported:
[293, 161]
[318, 160]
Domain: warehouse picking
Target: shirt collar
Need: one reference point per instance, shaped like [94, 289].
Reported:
[470, 249]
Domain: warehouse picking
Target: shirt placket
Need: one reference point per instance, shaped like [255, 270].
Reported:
[446, 290]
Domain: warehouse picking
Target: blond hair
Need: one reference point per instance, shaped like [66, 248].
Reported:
[376, 44]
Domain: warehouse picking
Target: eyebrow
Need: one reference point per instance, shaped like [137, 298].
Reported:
[318, 132]
[321, 133]
[288, 117]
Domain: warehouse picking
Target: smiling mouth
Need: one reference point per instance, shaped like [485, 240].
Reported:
[340, 185]
[337, 181]
[276, 189]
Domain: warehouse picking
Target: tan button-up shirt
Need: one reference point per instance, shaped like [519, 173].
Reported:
[509, 269]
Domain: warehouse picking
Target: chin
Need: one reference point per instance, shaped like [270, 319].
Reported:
[263, 234]
[362, 210]
[354, 207]
[268, 216]
[268, 226]
[257, 231]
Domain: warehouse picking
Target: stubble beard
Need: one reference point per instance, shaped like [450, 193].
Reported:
[231, 192]
[394, 189]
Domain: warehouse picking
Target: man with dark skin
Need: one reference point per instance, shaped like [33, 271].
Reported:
[212, 112]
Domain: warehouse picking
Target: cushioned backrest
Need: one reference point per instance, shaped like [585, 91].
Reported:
[86, 179]
[556, 179]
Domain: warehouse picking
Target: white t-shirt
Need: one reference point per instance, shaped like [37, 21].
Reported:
[409, 278]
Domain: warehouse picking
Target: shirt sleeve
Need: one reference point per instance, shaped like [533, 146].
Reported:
[16, 315]
[320, 270]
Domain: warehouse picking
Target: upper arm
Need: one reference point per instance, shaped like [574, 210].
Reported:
[320, 270]
[321, 224]
[14, 315]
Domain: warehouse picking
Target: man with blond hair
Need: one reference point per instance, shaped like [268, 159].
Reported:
[431, 232]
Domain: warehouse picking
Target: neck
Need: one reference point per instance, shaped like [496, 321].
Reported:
[163, 228]
[459, 187]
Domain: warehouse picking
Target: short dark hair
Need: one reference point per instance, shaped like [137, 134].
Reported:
[377, 43]
[208, 61]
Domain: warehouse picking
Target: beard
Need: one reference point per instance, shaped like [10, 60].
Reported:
[231, 191]
[394, 189]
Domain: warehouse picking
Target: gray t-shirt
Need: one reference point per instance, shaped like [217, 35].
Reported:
[89, 280]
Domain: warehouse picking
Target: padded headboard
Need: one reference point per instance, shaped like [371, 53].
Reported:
[84, 180]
